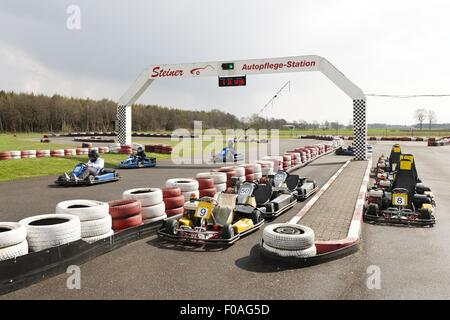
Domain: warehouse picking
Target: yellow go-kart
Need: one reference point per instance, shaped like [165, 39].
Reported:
[215, 219]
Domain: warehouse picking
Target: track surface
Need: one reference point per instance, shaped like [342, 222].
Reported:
[414, 262]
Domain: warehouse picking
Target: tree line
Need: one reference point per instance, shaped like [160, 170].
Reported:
[28, 112]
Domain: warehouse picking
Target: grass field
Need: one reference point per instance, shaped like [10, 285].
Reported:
[371, 132]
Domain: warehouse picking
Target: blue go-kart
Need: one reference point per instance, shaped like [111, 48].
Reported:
[133, 163]
[80, 176]
[350, 151]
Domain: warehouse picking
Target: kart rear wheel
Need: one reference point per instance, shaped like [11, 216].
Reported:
[172, 227]
[256, 216]
[227, 231]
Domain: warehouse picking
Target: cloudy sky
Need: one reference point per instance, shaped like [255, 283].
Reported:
[387, 47]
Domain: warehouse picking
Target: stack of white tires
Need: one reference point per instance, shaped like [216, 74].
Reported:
[51, 230]
[266, 167]
[257, 171]
[15, 155]
[95, 221]
[153, 207]
[188, 187]
[240, 173]
[13, 240]
[219, 178]
[114, 148]
[286, 240]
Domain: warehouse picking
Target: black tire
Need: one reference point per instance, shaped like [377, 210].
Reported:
[256, 216]
[172, 227]
[227, 231]
[425, 214]
[373, 210]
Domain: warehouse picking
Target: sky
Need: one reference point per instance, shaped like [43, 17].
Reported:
[384, 47]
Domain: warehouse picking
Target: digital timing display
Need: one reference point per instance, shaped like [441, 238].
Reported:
[232, 81]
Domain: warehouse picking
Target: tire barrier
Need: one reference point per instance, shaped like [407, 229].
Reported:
[206, 187]
[15, 155]
[433, 142]
[173, 200]
[159, 148]
[95, 220]
[119, 209]
[57, 153]
[43, 153]
[13, 240]
[51, 230]
[126, 149]
[5, 155]
[153, 207]
[188, 187]
[289, 240]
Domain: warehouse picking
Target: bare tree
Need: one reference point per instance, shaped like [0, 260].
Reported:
[420, 115]
[432, 118]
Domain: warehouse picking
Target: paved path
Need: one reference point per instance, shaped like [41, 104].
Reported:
[331, 215]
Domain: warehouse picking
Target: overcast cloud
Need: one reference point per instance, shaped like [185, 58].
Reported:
[394, 47]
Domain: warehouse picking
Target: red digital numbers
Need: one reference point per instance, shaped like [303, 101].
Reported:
[232, 81]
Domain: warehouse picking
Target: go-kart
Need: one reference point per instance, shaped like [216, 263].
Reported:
[133, 163]
[80, 176]
[227, 155]
[279, 193]
[409, 203]
[215, 221]
[350, 151]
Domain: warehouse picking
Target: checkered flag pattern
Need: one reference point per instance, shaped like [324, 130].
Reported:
[122, 121]
[359, 129]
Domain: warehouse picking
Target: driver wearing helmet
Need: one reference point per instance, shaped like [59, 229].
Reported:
[95, 163]
[140, 154]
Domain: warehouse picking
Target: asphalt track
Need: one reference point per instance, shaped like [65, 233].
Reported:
[413, 262]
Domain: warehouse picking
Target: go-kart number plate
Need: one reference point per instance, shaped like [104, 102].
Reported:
[399, 199]
[77, 169]
[204, 210]
[245, 191]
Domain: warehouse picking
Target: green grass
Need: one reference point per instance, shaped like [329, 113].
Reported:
[23, 141]
[287, 134]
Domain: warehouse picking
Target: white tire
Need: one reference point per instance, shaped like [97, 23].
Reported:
[147, 196]
[15, 153]
[257, 175]
[256, 167]
[86, 210]
[93, 228]
[153, 211]
[187, 194]
[267, 171]
[240, 171]
[11, 252]
[218, 177]
[44, 231]
[221, 187]
[164, 216]
[96, 238]
[288, 236]
[305, 253]
[184, 184]
[11, 233]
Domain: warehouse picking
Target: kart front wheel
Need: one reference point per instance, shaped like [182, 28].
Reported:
[172, 227]
[256, 217]
[227, 231]
[372, 210]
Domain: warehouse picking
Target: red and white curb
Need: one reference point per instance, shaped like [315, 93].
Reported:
[316, 197]
[355, 225]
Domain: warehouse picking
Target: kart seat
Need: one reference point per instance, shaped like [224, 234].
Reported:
[405, 177]
[107, 170]
[223, 212]
[292, 181]
[262, 194]
[394, 157]
[411, 158]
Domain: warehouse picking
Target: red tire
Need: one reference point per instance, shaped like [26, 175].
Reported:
[249, 177]
[225, 169]
[211, 192]
[5, 154]
[124, 208]
[174, 202]
[5, 158]
[174, 211]
[230, 174]
[249, 169]
[205, 183]
[171, 192]
[125, 223]
[24, 154]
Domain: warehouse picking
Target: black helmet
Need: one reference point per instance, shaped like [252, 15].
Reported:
[140, 149]
[93, 154]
